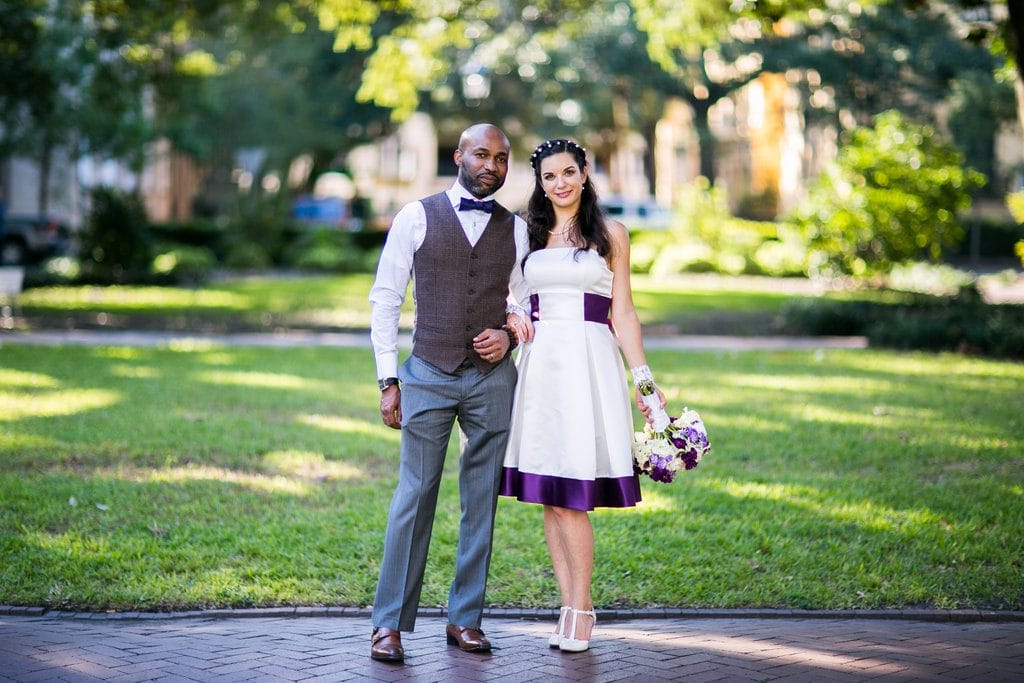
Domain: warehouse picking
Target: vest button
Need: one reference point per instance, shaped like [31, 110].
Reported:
[468, 345]
[472, 273]
[470, 291]
[468, 328]
[474, 256]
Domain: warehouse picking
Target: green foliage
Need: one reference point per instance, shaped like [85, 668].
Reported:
[988, 237]
[264, 221]
[197, 233]
[928, 278]
[962, 322]
[1015, 203]
[327, 250]
[183, 265]
[707, 238]
[116, 242]
[246, 256]
[893, 195]
[59, 270]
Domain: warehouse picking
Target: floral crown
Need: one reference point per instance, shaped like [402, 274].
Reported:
[549, 147]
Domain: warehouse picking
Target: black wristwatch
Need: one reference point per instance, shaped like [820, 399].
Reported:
[387, 382]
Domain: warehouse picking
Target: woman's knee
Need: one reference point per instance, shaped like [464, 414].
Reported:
[567, 515]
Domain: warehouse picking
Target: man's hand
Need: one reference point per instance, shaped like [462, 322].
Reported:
[492, 345]
[520, 326]
[391, 406]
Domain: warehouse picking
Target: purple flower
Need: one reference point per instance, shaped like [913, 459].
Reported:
[685, 441]
[690, 458]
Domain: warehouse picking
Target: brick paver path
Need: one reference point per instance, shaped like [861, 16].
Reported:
[336, 649]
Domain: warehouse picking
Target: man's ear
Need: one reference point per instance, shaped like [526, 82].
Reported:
[458, 157]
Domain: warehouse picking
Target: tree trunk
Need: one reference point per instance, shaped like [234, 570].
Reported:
[1015, 38]
[650, 133]
[1018, 88]
[322, 160]
[705, 138]
[45, 162]
[621, 127]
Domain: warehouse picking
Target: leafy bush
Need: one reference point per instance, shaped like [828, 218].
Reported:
[786, 255]
[928, 278]
[209, 233]
[994, 237]
[116, 241]
[266, 224]
[326, 250]
[59, 270]
[955, 323]
[246, 256]
[642, 255]
[1015, 203]
[707, 238]
[892, 195]
[183, 265]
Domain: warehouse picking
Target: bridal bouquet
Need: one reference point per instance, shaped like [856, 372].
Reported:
[669, 444]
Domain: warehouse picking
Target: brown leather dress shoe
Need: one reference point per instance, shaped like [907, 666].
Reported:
[386, 645]
[468, 639]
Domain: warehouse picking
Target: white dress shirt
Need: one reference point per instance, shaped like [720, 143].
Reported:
[395, 271]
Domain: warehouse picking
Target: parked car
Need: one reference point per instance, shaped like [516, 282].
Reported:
[30, 239]
[637, 214]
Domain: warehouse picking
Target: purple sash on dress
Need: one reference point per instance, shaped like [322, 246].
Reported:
[596, 308]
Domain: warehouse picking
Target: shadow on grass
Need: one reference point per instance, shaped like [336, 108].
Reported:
[209, 476]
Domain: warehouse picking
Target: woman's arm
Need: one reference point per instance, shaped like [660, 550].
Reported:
[624, 318]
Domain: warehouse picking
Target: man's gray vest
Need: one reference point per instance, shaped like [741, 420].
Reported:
[461, 290]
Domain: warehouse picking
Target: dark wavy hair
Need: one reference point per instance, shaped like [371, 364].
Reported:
[540, 214]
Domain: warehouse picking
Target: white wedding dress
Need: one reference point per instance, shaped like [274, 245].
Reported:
[570, 443]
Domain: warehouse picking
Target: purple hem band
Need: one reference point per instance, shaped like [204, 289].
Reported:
[596, 308]
[577, 494]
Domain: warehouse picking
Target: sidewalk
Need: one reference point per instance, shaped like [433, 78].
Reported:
[84, 647]
[361, 339]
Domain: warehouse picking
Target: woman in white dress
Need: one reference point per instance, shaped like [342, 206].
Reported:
[570, 443]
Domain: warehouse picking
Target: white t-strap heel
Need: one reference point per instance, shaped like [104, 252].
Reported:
[555, 639]
[573, 644]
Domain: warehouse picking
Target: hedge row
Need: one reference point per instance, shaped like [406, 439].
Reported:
[962, 323]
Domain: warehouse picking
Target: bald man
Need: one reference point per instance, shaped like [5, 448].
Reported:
[461, 250]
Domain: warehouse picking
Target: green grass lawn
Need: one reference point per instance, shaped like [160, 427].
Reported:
[340, 301]
[198, 476]
[247, 303]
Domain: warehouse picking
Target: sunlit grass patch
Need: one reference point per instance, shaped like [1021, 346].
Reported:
[209, 475]
[22, 378]
[14, 406]
[118, 298]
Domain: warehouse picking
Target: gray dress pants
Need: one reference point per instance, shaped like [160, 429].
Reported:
[432, 400]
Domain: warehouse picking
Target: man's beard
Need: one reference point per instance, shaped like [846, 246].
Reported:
[475, 187]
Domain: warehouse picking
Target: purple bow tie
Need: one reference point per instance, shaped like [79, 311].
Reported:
[467, 204]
